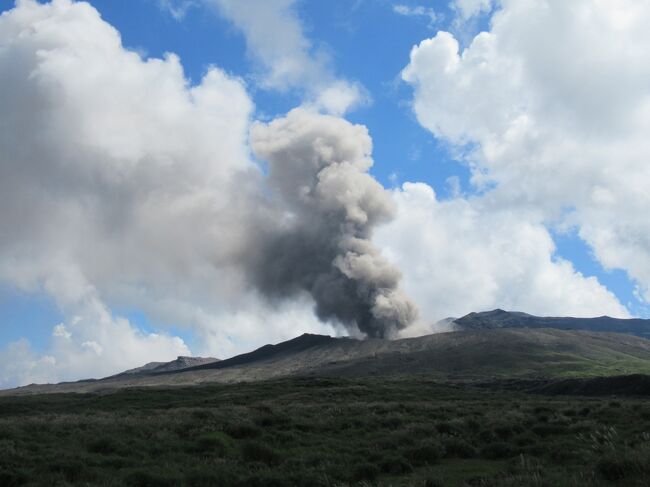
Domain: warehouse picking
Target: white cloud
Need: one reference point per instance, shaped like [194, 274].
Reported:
[417, 11]
[122, 186]
[552, 106]
[61, 331]
[92, 342]
[460, 255]
[275, 37]
[254, 324]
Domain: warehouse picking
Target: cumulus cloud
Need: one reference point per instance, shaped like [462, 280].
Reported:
[114, 180]
[462, 255]
[119, 184]
[551, 107]
[92, 341]
[275, 37]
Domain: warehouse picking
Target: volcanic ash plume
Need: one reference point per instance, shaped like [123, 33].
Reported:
[318, 176]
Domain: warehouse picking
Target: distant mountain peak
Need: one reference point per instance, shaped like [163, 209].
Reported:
[182, 362]
[499, 318]
[267, 352]
[312, 338]
[496, 312]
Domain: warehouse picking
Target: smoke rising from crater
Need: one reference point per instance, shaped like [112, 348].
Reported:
[318, 178]
[124, 186]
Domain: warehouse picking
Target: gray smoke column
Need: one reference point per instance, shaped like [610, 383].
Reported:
[318, 177]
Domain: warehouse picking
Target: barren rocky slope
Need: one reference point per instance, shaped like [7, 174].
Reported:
[463, 355]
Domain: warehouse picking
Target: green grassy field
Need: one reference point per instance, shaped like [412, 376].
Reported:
[323, 432]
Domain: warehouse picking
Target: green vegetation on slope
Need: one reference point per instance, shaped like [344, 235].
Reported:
[505, 353]
[323, 432]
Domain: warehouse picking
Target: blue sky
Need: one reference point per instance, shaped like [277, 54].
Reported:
[422, 132]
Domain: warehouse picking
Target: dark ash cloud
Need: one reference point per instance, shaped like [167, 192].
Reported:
[318, 177]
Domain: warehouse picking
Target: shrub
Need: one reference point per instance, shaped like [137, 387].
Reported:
[215, 443]
[473, 425]
[144, 478]
[264, 479]
[564, 456]
[396, 441]
[396, 465]
[201, 414]
[448, 428]
[535, 450]
[505, 431]
[12, 479]
[254, 451]
[71, 469]
[7, 448]
[613, 468]
[616, 465]
[365, 471]
[242, 430]
[551, 429]
[433, 482]
[427, 453]
[269, 419]
[103, 446]
[421, 431]
[584, 412]
[203, 479]
[542, 410]
[309, 479]
[458, 448]
[391, 421]
[487, 436]
[582, 426]
[525, 439]
[497, 450]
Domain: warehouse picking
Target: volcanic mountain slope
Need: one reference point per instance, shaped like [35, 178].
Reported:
[464, 355]
[499, 318]
[180, 363]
